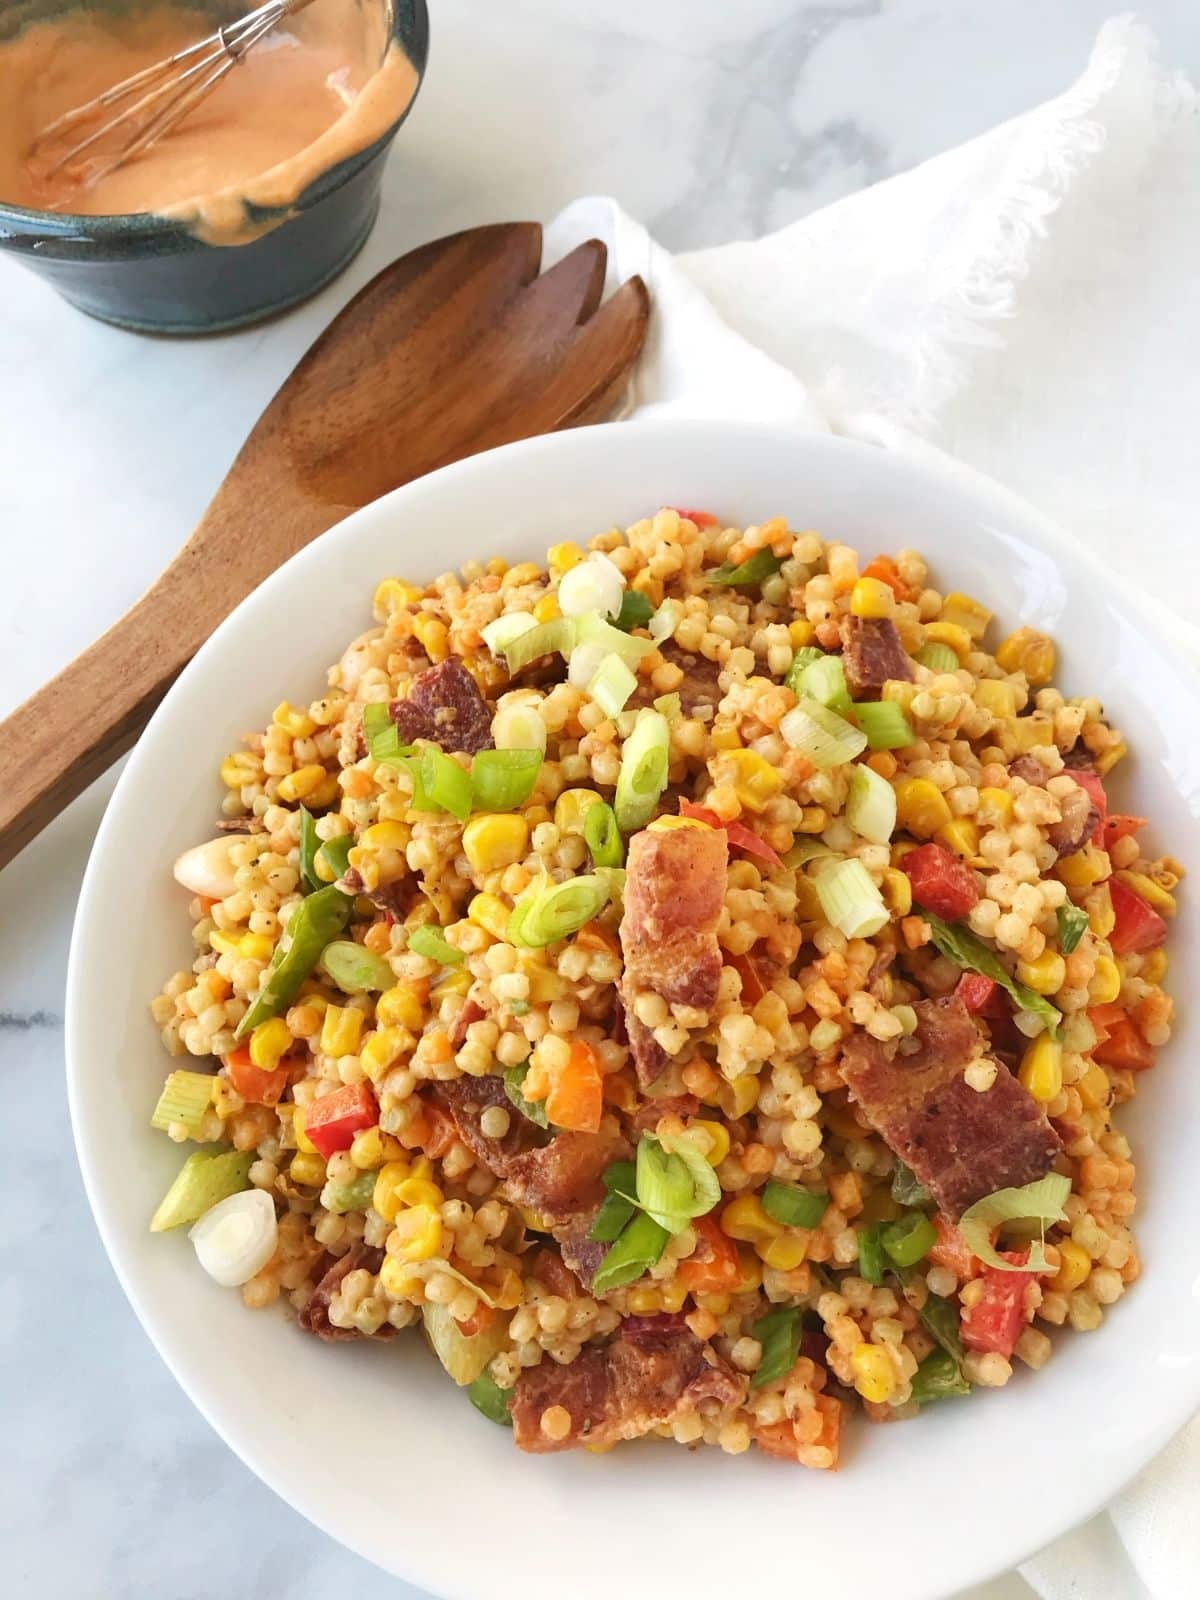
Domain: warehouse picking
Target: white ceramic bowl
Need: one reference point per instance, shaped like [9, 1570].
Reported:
[416, 1480]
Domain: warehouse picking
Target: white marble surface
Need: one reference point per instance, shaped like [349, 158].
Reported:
[710, 121]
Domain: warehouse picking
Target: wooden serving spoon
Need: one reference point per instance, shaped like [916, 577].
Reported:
[454, 348]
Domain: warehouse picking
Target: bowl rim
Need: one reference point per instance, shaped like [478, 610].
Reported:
[67, 227]
[938, 472]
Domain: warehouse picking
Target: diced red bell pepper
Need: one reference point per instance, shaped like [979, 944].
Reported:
[702, 519]
[740, 837]
[940, 881]
[983, 997]
[1118, 826]
[255, 1084]
[952, 1250]
[1094, 784]
[1138, 926]
[332, 1121]
[997, 1319]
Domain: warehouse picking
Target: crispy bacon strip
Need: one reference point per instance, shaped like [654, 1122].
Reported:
[699, 686]
[314, 1316]
[872, 653]
[444, 704]
[962, 1143]
[653, 1371]
[674, 891]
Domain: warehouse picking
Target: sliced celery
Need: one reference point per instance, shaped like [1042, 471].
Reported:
[207, 1176]
[464, 1356]
[185, 1097]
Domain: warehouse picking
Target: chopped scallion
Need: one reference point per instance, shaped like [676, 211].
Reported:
[354, 968]
[824, 680]
[556, 637]
[602, 836]
[319, 918]
[335, 854]
[643, 774]
[1072, 925]
[549, 911]
[808, 847]
[665, 1190]
[595, 585]
[884, 724]
[595, 629]
[640, 1244]
[870, 1253]
[745, 574]
[779, 1333]
[665, 620]
[615, 1211]
[498, 635]
[427, 941]
[871, 805]
[820, 734]
[850, 900]
[909, 1239]
[792, 1206]
[670, 705]
[440, 784]
[382, 734]
[310, 843]
[612, 685]
[502, 780]
[801, 661]
[486, 1395]
[938, 1377]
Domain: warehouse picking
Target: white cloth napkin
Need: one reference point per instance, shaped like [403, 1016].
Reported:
[1029, 303]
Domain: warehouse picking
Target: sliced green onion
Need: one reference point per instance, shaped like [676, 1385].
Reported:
[801, 661]
[310, 843]
[909, 1239]
[665, 620]
[615, 1211]
[808, 847]
[907, 1188]
[207, 1177]
[185, 1097]
[594, 629]
[621, 1178]
[507, 629]
[353, 1196]
[440, 784]
[670, 705]
[643, 774]
[639, 1246]
[779, 1333]
[755, 569]
[382, 734]
[850, 900]
[549, 911]
[486, 1395]
[602, 836]
[938, 1377]
[820, 734]
[824, 680]
[792, 1206]
[236, 1238]
[706, 1188]
[586, 660]
[961, 946]
[1040, 1202]
[318, 918]
[532, 1110]
[557, 636]
[1072, 925]
[594, 585]
[427, 941]
[354, 968]
[636, 611]
[937, 657]
[871, 805]
[519, 725]
[335, 853]
[884, 723]
[612, 685]
[502, 780]
[665, 1189]
[870, 1253]
[942, 1322]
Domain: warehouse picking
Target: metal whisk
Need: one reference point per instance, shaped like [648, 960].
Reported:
[153, 101]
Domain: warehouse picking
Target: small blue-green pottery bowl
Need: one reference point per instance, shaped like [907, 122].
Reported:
[160, 274]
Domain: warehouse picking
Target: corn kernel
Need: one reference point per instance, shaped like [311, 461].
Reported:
[1152, 893]
[950, 633]
[387, 836]
[1028, 733]
[744, 1218]
[269, 1043]
[1105, 986]
[419, 1192]
[967, 613]
[755, 781]
[921, 807]
[1046, 975]
[380, 1048]
[750, 1268]
[1102, 919]
[1106, 761]
[800, 632]
[871, 597]
[787, 1252]
[398, 1279]
[296, 723]
[1084, 868]
[300, 784]
[996, 696]
[391, 595]
[494, 841]
[717, 1305]
[645, 1300]
[341, 1030]
[307, 1169]
[896, 889]
[874, 1375]
[670, 824]
[453, 983]
[489, 912]
[961, 836]
[995, 808]
[740, 1097]
[1075, 1266]
[725, 738]
[225, 944]
[1094, 1087]
[400, 1006]
[1030, 652]
[673, 1294]
[545, 986]
[303, 1143]
[385, 1198]
[433, 636]
[1041, 1069]
[371, 1147]
[239, 769]
[571, 807]
[718, 1140]
[417, 1233]
[547, 609]
[562, 557]
[1154, 967]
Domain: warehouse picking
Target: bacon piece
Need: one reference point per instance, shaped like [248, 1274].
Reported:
[674, 892]
[962, 1143]
[644, 1376]
[1080, 817]
[872, 654]
[700, 685]
[314, 1315]
[563, 1177]
[471, 1012]
[651, 1112]
[445, 705]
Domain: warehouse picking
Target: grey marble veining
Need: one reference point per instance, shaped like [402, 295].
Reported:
[707, 119]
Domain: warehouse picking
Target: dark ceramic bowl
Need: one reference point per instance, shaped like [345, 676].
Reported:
[152, 273]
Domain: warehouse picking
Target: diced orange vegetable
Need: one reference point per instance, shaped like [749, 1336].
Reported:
[779, 1438]
[576, 1096]
[332, 1121]
[753, 987]
[714, 1267]
[884, 568]
[951, 1250]
[254, 1084]
[1118, 826]
[702, 519]
[595, 936]
[441, 1131]
[482, 1317]
[1123, 1046]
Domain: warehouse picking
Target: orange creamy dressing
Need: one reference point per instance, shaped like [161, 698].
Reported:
[310, 94]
